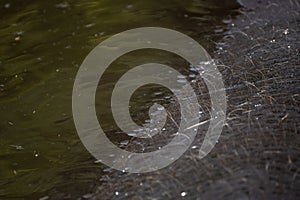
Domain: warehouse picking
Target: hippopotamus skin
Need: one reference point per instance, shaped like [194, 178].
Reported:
[257, 156]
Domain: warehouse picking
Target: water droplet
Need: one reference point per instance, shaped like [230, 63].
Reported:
[44, 198]
[36, 154]
[124, 143]
[181, 76]
[62, 5]
[87, 196]
[219, 30]
[183, 194]
[157, 93]
[204, 63]
[89, 25]
[17, 147]
[18, 33]
[193, 69]
[181, 81]
[226, 21]
[17, 38]
[160, 108]
[192, 75]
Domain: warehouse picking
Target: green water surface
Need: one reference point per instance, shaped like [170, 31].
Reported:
[42, 44]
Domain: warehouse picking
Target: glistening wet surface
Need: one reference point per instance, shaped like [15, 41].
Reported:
[42, 44]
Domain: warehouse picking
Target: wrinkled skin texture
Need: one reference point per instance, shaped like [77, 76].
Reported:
[257, 156]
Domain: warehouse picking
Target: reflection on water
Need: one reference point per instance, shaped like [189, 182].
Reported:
[42, 44]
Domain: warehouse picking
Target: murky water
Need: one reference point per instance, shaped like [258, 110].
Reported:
[42, 44]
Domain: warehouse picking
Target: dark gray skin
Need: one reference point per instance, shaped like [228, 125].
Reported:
[257, 156]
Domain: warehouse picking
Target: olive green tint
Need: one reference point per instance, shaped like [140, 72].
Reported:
[42, 45]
